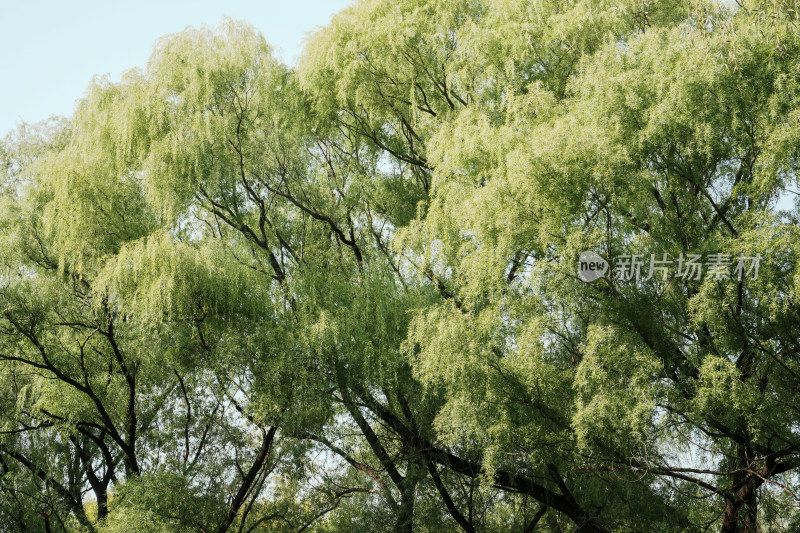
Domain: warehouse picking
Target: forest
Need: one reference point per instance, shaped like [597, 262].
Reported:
[348, 295]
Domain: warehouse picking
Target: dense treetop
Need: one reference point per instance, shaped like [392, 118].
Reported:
[241, 296]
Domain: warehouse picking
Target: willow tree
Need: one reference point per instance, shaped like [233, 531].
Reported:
[538, 131]
[239, 296]
[128, 345]
[671, 398]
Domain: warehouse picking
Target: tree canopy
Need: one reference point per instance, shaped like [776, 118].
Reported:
[241, 296]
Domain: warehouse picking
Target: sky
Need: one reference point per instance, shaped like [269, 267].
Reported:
[49, 50]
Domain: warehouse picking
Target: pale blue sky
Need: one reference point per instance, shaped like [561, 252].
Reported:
[49, 50]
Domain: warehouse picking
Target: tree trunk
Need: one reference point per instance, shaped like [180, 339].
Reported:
[408, 490]
[741, 509]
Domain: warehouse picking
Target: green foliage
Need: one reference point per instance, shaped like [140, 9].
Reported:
[161, 502]
[238, 296]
